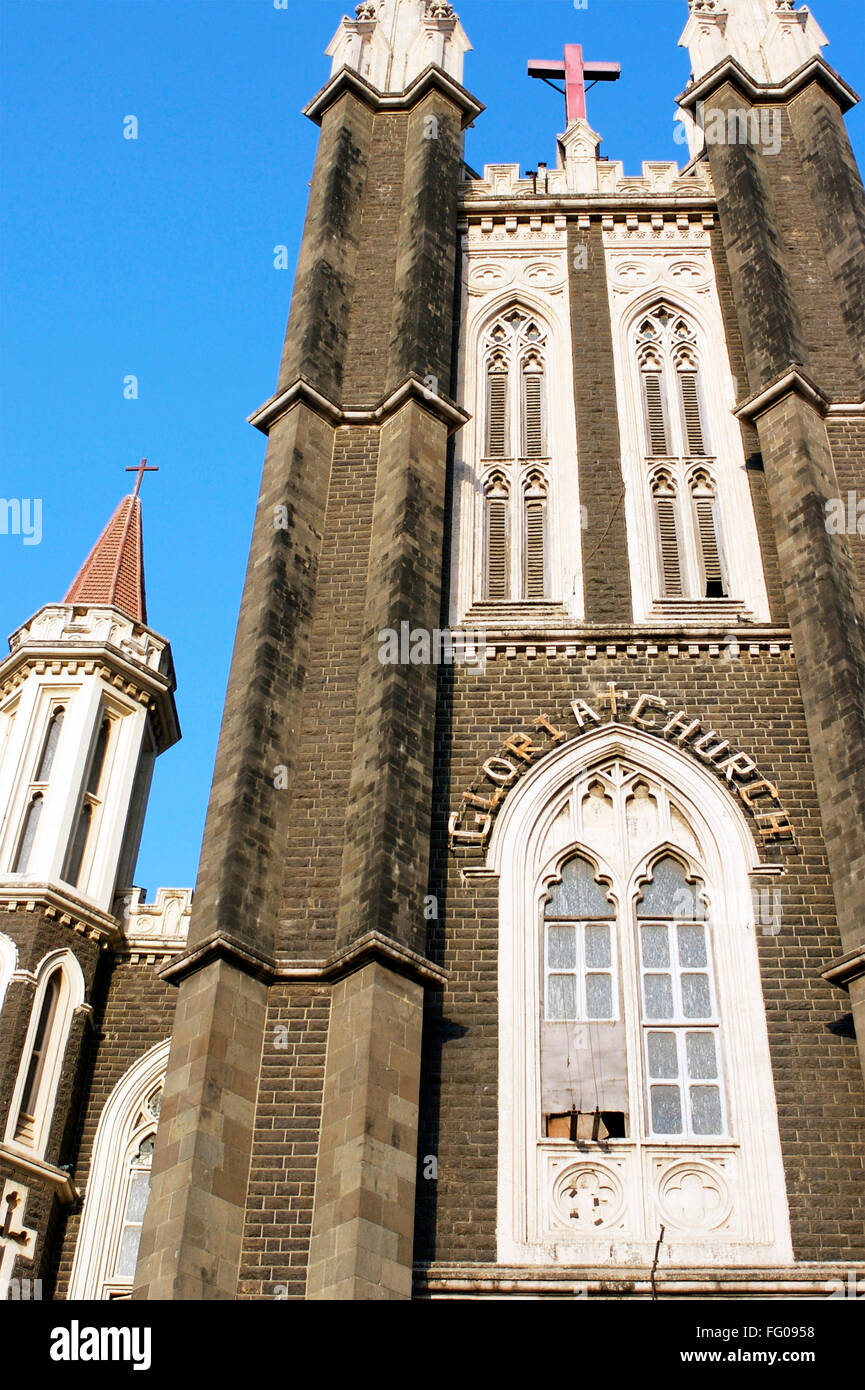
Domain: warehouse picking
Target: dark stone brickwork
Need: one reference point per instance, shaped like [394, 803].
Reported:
[605, 545]
[847, 442]
[755, 701]
[288, 1119]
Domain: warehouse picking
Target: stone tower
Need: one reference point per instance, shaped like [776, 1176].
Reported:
[518, 961]
[86, 706]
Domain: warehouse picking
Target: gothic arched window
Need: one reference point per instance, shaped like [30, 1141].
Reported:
[118, 1183]
[515, 432]
[88, 811]
[635, 1080]
[688, 556]
[40, 778]
[59, 991]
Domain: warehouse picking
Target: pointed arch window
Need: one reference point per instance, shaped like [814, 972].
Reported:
[515, 435]
[635, 1078]
[118, 1183]
[688, 562]
[38, 790]
[59, 991]
[91, 802]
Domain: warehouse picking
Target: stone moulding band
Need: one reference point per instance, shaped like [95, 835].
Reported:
[793, 381]
[845, 969]
[479, 1281]
[371, 947]
[413, 388]
[770, 93]
[58, 1178]
[432, 78]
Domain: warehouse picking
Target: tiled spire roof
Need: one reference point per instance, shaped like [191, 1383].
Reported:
[113, 573]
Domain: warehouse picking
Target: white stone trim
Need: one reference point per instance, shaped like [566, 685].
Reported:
[507, 266]
[71, 998]
[648, 261]
[116, 1135]
[751, 1161]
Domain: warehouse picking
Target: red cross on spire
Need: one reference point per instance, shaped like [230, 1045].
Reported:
[576, 73]
[141, 470]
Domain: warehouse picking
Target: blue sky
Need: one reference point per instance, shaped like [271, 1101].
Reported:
[154, 258]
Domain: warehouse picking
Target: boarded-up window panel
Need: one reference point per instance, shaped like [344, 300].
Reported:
[497, 414]
[533, 422]
[534, 549]
[709, 547]
[691, 409]
[655, 417]
[668, 536]
[497, 548]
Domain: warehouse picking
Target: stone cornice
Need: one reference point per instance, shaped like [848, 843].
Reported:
[769, 93]
[593, 205]
[34, 1167]
[475, 1280]
[57, 904]
[845, 969]
[431, 79]
[792, 381]
[373, 947]
[413, 388]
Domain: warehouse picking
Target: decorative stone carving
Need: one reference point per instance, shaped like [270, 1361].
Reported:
[693, 1196]
[390, 42]
[589, 1197]
[159, 926]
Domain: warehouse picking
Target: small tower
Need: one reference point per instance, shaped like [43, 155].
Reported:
[86, 705]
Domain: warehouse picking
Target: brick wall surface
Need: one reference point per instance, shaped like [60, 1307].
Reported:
[755, 702]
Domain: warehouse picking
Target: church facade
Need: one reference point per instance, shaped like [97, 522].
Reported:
[526, 953]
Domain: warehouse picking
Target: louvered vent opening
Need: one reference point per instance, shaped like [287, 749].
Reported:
[535, 549]
[497, 400]
[497, 549]
[533, 425]
[25, 1130]
[655, 420]
[709, 548]
[691, 408]
[669, 541]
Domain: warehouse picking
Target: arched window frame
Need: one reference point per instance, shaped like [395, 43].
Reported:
[43, 757]
[28, 1136]
[497, 530]
[122, 1127]
[531, 821]
[687, 288]
[88, 816]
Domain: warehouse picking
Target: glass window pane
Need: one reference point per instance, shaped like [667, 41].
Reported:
[656, 947]
[128, 1253]
[706, 1109]
[666, 1109]
[561, 997]
[702, 1065]
[599, 996]
[139, 1191]
[598, 946]
[659, 996]
[692, 945]
[578, 895]
[561, 948]
[668, 894]
[663, 1061]
[696, 996]
[52, 738]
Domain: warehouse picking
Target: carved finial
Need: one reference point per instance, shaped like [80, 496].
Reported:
[704, 6]
[440, 9]
[367, 10]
